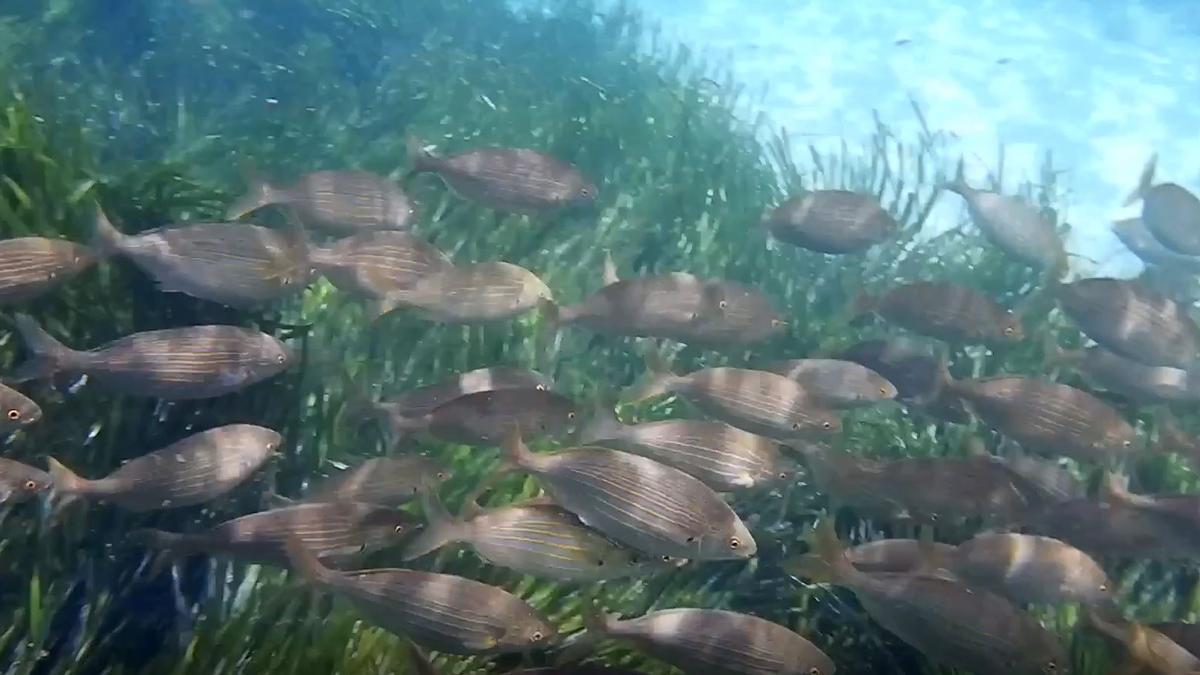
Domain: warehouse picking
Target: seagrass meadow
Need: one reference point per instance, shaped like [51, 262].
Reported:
[156, 110]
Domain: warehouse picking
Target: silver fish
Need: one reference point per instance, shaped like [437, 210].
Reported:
[16, 410]
[483, 418]
[21, 482]
[175, 364]
[1030, 569]
[1141, 242]
[638, 502]
[477, 293]
[387, 481]
[1015, 227]
[423, 400]
[192, 471]
[439, 611]
[1169, 211]
[338, 201]
[371, 264]
[837, 384]
[31, 266]
[897, 556]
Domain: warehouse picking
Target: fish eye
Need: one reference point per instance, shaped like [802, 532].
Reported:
[795, 426]
[571, 415]
[827, 425]
[13, 414]
[1052, 667]
[734, 542]
[280, 359]
[691, 540]
[585, 192]
[537, 636]
[782, 475]
[814, 671]
[1008, 330]
[399, 529]
[540, 387]
[666, 558]
[1126, 443]
[600, 562]
[883, 391]
[1104, 588]
[31, 485]
[723, 304]
[441, 475]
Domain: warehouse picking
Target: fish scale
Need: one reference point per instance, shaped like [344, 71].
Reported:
[1133, 320]
[30, 266]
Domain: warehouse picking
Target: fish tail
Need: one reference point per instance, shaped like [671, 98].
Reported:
[302, 560]
[659, 379]
[47, 355]
[168, 546]
[958, 185]
[420, 160]
[1145, 181]
[603, 425]
[66, 481]
[548, 335]
[259, 194]
[419, 660]
[595, 629]
[516, 454]
[827, 563]
[441, 529]
[610, 275]
[106, 238]
[1115, 488]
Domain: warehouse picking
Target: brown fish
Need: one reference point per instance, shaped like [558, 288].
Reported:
[332, 531]
[338, 201]
[439, 611]
[914, 367]
[638, 502]
[1146, 650]
[1029, 569]
[484, 418]
[1169, 211]
[945, 311]
[756, 401]
[710, 641]
[16, 410]
[423, 400]
[837, 384]
[1133, 320]
[896, 555]
[724, 458]
[21, 482]
[175, 364]
[1015, 227]
[31, 266]
[233, 264]
[1184, 509]
[507, 179]
[1049, 418]
[192, 471]
[831, 221]
[477, 293]
[947, 621]
[1155, 384]
[371, 264]
[386, 481]
[1186, 635]
[1114, 529]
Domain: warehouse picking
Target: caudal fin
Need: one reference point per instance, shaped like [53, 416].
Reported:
[603, 426]
[827, 563]
[516, 455]
[419, 660]
[67, 483]
[1145, 181]
[547, 345]
[658, 380]
[306, 563]
[420, 160]
[259, 194]
[106, 240]
[47, 355]
[441, 529]
[595, 629]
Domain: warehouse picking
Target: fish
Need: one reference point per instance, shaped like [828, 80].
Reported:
[946, 311]
[338, 201]
[331, 531]
[173, 364]
[443, 612]
[536, 538]
[837, 384]
[831, 221]
[234, 264]
[1140, 241]
[16, 410]
[1029, 569]
[1133, 320]
[32, 266]
[423, 400]
[762, 403]
[949, 622]
[483, 418]
[1153, 384]
[1183, 509]
[914, 367]
[371, 264]
[637, 501]
[1111, 528]
[707, 641]
[194, 470]
[1170, 211]
[1185, 635]
[1146, 650]
[478, 293]
[507, 179]
[675, 306]
[1049, 417]
[897, 555]
[1015, 227]
[383, 481]
[20, 482]
[722, 457]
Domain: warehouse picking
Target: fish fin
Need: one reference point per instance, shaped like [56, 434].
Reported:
[658, 379]
[827, 563]
[1145, 181]
[66, 482]
[273, 500]
[260, 193]
[864, 304]
[441, 529]
[302, 560]
[603, 425]
[595, 630]
[516, 455]
[1115, 488]
[168, 547]
[548, 335]
[378, 307]
[609, 276]
[47, 355]
[419, 660]
[106, 238]
[958, 185]
[420, 160]
[929, 559]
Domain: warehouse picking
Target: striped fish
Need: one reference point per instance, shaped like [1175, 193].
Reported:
[537, 538]
[1133, 320]
[16, 410]
[756, 401]
[831, 221]
[233, 264]
[191, 471]
[484, 417]
[387, 481]
[20, 482]
[423, 400]
[896, 555]
[174, 364]
[837, 384]
[946, 311]
[339, 201]
[1029, 569]
[370, 264]
[1155, 384]
[332, 531]
[724, 458]
[477, 293]
[31, 266]
[638, 502]
[712, 642]
[1048, 417]
[439, 611]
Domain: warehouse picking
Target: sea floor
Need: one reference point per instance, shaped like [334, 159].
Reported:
[1100, 84]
